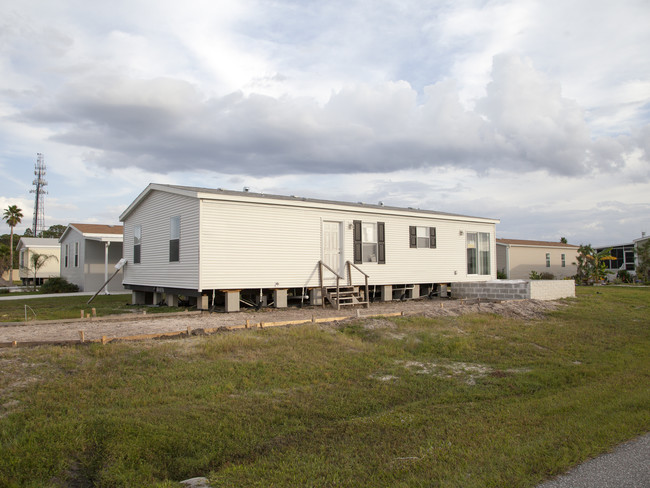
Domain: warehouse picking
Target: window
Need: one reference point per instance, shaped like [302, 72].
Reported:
[22, 258]
[174, 238]
[478, 253]
[548, 259]
[369, 242]
[66, 255]
[422, 237]
[76, 254]
[564, 260]
[137, 241]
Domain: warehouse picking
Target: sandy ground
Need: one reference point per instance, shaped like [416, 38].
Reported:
[131, 325]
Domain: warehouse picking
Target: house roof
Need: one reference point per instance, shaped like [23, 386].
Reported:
[38, 242]
[246, 196]
[97, 232]
[641, 239]
[522, 242]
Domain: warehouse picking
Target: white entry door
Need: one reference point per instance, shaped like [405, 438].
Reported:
[332, 249]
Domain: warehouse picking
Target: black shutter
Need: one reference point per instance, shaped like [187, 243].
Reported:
[413, 236]
[174, 250]
[432, 237]
[381, 243]
[357, 241]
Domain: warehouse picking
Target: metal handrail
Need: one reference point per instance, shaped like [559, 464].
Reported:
[322, 265]
[350, 265]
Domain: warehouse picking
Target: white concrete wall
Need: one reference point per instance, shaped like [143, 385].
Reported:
[552, 289]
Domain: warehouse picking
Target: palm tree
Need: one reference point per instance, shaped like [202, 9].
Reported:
[13, 216]
[37, 261]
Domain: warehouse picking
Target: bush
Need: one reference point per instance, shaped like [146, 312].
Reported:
[501, 275]
[624, 276]
[534, 275]
[58, 285]
[546, 276]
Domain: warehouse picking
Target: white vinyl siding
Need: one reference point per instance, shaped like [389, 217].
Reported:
[153, 215]
[285, 248]
[72, 273]
[90, 274]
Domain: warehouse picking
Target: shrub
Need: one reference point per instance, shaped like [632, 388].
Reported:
[546, 276]
[624, 276]
[58, 285]
[534, 275]
[501, 275]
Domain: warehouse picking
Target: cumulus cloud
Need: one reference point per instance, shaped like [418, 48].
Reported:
[165, 124]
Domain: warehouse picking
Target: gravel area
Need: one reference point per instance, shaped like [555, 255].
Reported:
[130, 325]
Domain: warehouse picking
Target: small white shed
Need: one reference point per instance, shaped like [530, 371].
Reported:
[226, 247]
[89, 253]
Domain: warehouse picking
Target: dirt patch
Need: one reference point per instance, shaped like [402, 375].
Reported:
[115, 327]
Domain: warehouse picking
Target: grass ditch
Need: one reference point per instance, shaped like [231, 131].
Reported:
[473, 401]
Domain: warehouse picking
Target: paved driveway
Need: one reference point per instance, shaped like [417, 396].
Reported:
[628, 466]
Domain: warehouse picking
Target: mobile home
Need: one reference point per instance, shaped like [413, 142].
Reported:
[217, 247]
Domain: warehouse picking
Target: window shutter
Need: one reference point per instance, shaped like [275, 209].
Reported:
[413, 236]
[381, 243]
[357, 241]
[432, 236]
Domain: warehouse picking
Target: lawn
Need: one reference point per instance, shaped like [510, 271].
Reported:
[69, 307]
[470, 401]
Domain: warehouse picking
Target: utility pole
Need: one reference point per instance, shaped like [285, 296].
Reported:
[39, 195]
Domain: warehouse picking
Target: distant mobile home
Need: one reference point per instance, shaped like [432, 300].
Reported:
[89, 253]
[27, 247]
[216, 247]
[518, 257]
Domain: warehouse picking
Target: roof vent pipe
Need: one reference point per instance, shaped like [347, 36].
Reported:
[246, 188]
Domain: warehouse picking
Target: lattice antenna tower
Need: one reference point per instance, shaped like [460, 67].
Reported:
[39, 195]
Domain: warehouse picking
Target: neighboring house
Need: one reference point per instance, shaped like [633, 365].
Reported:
[517, 258]
[624, 259]
[222, 246]
[637, 245]
[27, 247]
[89, 253]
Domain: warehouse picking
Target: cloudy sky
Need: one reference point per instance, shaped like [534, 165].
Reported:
[533, 112]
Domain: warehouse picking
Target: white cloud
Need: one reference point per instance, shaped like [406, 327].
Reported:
[339, 99]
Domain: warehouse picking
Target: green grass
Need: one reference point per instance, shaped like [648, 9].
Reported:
[70, 307]
[472, 401]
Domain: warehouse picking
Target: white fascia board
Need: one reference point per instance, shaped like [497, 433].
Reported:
[104, 237]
